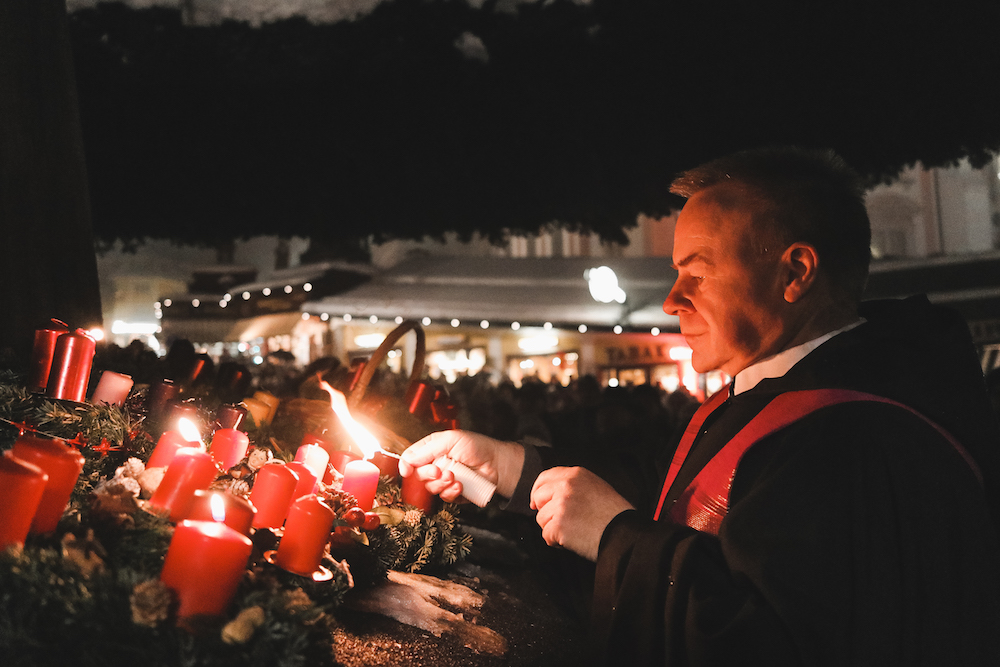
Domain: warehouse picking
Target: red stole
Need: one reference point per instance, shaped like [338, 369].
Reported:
[705, 502]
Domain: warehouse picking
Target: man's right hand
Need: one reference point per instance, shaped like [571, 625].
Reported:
[496, 460]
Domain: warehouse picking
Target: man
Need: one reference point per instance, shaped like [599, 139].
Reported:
[832, 507]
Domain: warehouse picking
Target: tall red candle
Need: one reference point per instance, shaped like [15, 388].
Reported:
[387, 465]
[204, 565]
[229, 446]
[361, 479]
[71, 362]
[166, 447]
[307, 480]
[307, 530]
[41, 355]
[238, 511]
[62, 464]
[191, 469]
[272, 492]
[415, 493]
[21, 487]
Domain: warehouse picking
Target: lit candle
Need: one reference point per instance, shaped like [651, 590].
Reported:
[239, 513]
[307, 532]
[191, 469]
[415, 493]
[71, 361]
[62, 464]
[186, 435]
[361, 480]
[204, 565]
[259, 410]
[41, 355]
[112, 389]
[21, 487]
[272, 492]
[229, 446]
[315, 457]
[307, 480]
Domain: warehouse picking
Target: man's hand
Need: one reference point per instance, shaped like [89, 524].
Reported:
[574, 507]
[498, 461]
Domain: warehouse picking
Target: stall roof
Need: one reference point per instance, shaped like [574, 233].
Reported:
[501, 289]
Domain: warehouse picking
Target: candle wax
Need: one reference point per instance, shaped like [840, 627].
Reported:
[204, 565]
[191, 469]
[239, 512]
[21, 487]
[229, 446]
[62, 464]
[307, 531]
[272, 494]
[361, 480]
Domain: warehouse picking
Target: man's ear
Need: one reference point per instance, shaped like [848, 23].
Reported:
[800, 263]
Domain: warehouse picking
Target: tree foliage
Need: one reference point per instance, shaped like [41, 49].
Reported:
[579, 113]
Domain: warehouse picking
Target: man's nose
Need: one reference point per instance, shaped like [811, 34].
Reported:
[676, 302]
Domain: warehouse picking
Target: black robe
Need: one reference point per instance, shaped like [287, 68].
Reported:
[856, 536]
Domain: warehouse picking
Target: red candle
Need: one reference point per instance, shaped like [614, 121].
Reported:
[42, 353]
[230, 416]
[272, 492]
[315, 457]
[62, 464]
[307, 480]
[166, 447]
[239, 512]
[204, 565]
[361, 479]
[387, 465]
[191, 469]
[307, 531]
[415, 493]
[229, 446]
[71, 362]
[21, 487]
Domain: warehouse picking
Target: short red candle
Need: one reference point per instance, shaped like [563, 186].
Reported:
[307, 480]
[387, 465]
[239, 511]
[71, 363]
[62, 464]
[204, 565]
[307, 530]
[229, 446]
[41, 355]
[166, 447]
[315, 457]
[415, 493]
[361, 480]
[191, 469]
[21, 487]
[272, 492]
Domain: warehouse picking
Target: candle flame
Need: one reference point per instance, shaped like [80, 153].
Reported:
[218, 507]
[188, 430]
[365, 440]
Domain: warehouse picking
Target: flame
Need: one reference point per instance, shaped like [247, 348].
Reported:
[365, 440]
[189, 431]
[218, 507]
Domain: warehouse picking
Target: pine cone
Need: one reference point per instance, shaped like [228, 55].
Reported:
[150, 602]
[340, 501]
[412, 518]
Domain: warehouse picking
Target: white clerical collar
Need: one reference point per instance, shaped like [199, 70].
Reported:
[777, 365]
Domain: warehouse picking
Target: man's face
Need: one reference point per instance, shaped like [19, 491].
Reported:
[729, 301]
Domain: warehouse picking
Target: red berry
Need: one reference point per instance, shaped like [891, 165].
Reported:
[355, 517]
[372, 521]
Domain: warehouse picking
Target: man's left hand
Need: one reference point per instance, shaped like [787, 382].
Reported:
[574, 507]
